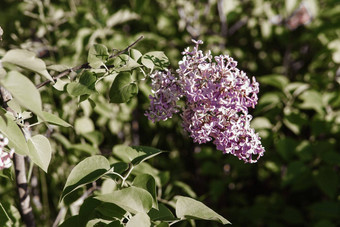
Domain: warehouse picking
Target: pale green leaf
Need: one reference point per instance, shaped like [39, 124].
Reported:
[192, 209]
[40, 151]
[278, 81]
[54, 119]
[121, 17]
[87, 171]
[140, 220]
[135, 54]
[155, 60]
[131, 199]
[24, 91]
[27, 59]
[135, 154]
[98, 54]
[14, 134]
[148, 183]
[83, 125]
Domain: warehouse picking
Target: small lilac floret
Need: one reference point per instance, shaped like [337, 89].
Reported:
[217, 96]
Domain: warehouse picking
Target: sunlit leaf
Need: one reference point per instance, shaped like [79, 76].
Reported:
[54, 119]
[131, 199]
[192, 209]
[87, 171]
[155, 60]
[140, 220]
[40, 151]
[148, 183]
[278, 81]
[135, 154]
[27, 59]
[24, 91]
[98, 54]
[14, 134]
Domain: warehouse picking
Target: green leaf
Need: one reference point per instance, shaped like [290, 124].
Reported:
[85, 86]
[131, 199]
[71, 222]
[261, 122]
[26, 59]
[135, 54]
[93, 208]
[148, 183]
[40, 151]
[98, 54]
[278, 81]
[162, 214]
[327, 180]
[140, 220]
[24, 91]
[155, 60]
[85, 147]
[87, 171]
[144, 153]
[124, 62]
[312, 100]
[14, 134]
[5, 219]
[54, 119]
[122, 89]
[83, 125]
[186, 188]
[135, 154]
[192, 209]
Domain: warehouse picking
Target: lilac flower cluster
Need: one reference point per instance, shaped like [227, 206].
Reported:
[217, 96]
[5, 157]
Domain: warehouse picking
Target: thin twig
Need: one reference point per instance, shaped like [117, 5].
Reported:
[86, 65]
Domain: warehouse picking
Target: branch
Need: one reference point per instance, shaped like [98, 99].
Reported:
[25, 208]
[86, 65]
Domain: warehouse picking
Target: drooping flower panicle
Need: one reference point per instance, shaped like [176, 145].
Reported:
[217, 96]
[5, 157]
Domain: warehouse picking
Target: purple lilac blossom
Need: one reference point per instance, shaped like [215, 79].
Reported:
[217, 96]
[5, 157]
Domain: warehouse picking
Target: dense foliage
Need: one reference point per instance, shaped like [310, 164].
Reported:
[292, 49]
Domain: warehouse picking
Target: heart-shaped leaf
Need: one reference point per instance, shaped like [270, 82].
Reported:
[40, 151]
[122, 89]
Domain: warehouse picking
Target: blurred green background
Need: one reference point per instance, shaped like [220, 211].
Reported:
[291, 47]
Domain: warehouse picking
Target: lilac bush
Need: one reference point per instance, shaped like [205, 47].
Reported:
[217, 96]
